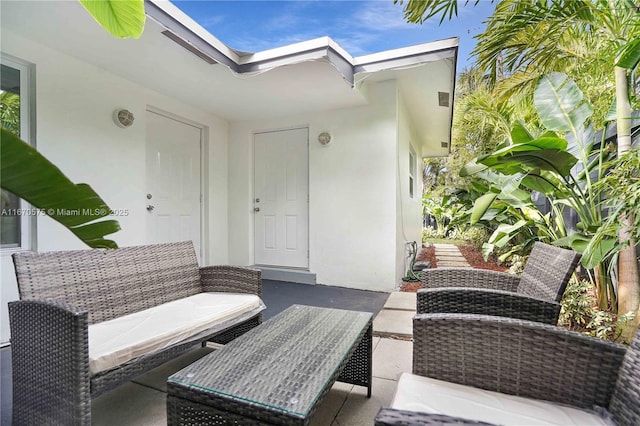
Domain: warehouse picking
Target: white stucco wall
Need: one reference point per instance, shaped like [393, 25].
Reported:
[409, 210]
[75, 130]
[352, 205]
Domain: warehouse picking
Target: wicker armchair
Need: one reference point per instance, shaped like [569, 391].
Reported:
[523, 358]
[533, 296]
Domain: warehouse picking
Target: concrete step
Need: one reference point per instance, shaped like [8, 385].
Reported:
[393, 323]
[292, 275]
[401, 301]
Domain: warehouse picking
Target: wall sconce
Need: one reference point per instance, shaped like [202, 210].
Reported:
[324, 138]
[123, 117]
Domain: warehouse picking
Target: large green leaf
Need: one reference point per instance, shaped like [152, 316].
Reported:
[630, 55]
[481, 205]
[541, 181]
[592, 254]
[121, 18]
[471, 169]
[520, 134]
[513, 162]
[560, 103]
[29, 175]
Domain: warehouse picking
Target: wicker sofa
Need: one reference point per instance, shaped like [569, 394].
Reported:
[553, 376]
[115, 297]
[534, 295]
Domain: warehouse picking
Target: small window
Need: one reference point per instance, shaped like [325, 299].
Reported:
[412, 172]
[15, 110]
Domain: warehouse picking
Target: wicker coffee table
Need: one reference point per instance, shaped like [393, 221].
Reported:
[277, 373]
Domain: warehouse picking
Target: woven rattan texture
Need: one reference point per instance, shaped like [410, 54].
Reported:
[231, 279]
[532, 296]
[49, 326]
[58, 347]
[110, 283]
[524, 358]
[469, 278]
[279, 372]
[486, 302]
[547, 272]
[389, 417]
[625, 403]
[516, 357]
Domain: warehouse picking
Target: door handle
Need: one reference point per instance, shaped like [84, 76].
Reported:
[256, 209]
[150, 207]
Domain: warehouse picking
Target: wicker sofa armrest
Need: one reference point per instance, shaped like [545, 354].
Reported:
[231, 279]
[50, 363]
[467, 277]
[393, 417]
[487, 302]
[516, 357]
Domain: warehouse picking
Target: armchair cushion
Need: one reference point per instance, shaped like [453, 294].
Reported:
[118, 341]
[427, 395]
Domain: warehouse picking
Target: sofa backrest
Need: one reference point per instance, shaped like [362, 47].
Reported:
[547, 272]
[110, 283]
[625, 401]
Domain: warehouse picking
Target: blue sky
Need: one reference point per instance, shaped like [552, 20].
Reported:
[359, 26]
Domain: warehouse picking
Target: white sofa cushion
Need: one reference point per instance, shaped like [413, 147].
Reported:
[117, 341]
[427, 395]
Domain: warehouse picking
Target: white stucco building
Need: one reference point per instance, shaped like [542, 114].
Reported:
[225, 149]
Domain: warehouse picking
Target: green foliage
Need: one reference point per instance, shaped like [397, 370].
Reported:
[518, 263]
[418, 11]
[121, 18]
[621, 190]
[10, 112]
[579, 312]
[577, 305]
[430, 233]
[475, 235]
[26, 173]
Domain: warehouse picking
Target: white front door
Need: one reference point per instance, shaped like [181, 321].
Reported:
[173, 181]
[281, 201]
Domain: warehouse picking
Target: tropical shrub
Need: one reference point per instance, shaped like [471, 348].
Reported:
[475, 235]
[428, 233]
[579, 313]
[562, 163]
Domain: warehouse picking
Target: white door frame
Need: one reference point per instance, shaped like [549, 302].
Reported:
[204, 174]
[253, 188]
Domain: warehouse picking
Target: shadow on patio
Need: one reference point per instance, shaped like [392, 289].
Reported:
[143, 401]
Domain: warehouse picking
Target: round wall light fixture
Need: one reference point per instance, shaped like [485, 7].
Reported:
[123, 118]
[324, 138]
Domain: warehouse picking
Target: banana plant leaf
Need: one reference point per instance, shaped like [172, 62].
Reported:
[513, 162]
[481, 205]
[560, 103]
[471, 168]
[580, 243]
[520, 133]
[630, 55]
[121, 18]
[29, 175]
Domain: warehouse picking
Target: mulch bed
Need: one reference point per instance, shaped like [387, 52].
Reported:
[470, 253]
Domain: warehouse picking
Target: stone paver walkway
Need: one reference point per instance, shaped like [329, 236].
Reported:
[396, 318]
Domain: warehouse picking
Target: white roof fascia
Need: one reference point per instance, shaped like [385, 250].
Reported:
[322, 48]
[181, 18]
[293, 49]
[184, 30]
[407, 57]
[418, 49]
